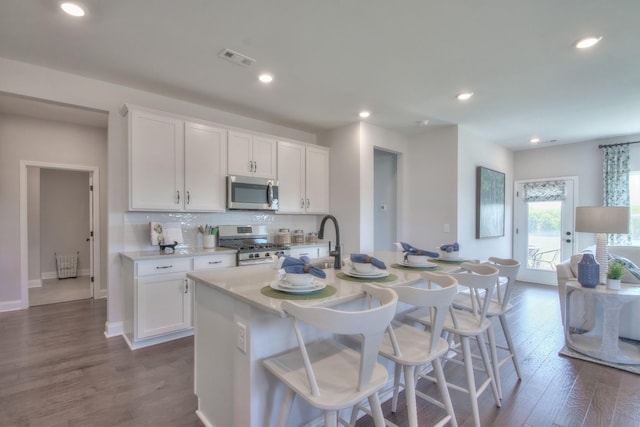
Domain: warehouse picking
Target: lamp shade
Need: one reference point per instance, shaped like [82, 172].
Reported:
[602, 219]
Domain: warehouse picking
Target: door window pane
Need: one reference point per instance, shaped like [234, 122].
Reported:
[544, 239]
[634, 202]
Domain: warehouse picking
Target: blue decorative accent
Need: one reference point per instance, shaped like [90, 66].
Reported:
[588, 271]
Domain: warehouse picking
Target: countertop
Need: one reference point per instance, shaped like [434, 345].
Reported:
[244, 283]
[179, 253]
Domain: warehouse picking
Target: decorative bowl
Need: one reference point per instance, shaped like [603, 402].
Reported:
[446, 255]
[363, 267]
[299, 279]
[417, 259]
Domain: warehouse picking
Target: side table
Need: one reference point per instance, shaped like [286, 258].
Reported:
[608, 346]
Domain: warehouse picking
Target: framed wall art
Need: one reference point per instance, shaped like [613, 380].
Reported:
[490, 186]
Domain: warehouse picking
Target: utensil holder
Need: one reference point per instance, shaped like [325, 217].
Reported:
[209, 241]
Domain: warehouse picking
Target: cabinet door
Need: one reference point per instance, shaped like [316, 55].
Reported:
[164, 304]
[156, 161]
[264, 157]
[291, 195]
[205, 171]
[317, 180]
[240, 161]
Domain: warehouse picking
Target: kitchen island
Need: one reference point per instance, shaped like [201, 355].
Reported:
[236, 326]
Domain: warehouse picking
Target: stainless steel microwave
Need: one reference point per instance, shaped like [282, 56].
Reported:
[252, 193]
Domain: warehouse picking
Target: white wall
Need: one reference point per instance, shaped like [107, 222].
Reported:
[64, 218]
[47, 84]
[583, 159]
[36, 140]
[432, 188]
[33, 218]
[474, 152]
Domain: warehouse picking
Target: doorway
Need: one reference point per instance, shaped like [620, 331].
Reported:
[59, 219]
[544, 227]
[385, 199]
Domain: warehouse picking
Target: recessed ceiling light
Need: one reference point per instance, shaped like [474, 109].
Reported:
[265, 78]
[587, 42]
[534, 140]
[463, 96]
[364, 114]
[72, 9]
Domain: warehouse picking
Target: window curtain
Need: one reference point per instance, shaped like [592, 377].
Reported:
[615, 176]
[544, 191]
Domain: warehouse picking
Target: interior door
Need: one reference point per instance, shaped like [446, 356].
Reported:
[544, 227]
[91, 239]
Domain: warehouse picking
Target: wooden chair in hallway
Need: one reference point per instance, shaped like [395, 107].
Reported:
[327, 374]
[479, 281]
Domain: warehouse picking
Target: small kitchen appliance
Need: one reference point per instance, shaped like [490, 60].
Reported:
[251, 242]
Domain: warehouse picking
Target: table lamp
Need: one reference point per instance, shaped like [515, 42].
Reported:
[602, 220]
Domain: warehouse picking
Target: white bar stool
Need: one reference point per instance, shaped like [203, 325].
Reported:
[327, 374]
[480, 279]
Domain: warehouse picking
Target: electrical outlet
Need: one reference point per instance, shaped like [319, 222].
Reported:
[241, 337]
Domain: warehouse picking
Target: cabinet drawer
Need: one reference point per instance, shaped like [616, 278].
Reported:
[213, 261]
[162, 266]
[311, 252]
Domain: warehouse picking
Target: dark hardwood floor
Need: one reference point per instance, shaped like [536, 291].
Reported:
[57, 369]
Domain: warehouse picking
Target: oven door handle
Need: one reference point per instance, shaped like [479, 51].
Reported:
[270, 193]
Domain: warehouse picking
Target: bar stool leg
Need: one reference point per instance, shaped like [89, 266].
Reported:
[495, 362]
[444, 391]
[510, 346]
[285, 409]
[331, 418]
[471, 380]
[396, 388]
[487, 365]
[410, 395]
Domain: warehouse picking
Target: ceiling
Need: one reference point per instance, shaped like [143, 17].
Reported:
[404, 61]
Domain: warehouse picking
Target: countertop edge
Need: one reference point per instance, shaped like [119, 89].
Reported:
[180, 253]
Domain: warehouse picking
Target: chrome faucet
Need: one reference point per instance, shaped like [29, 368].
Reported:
[337, 253]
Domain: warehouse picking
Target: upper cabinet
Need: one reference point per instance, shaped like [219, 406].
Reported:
[303, 178]
[175, 165]
[251, 155]
[205, 167]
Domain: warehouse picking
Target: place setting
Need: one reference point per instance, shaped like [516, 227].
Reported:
[364, 268]
[416, 259]
[298, 279]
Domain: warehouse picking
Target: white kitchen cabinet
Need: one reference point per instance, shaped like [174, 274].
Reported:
[164, 304]
[205, 167]
[303, 177]
[251, 155]
[312, 251]
[158, 297]
[156, 161]
[175, 165]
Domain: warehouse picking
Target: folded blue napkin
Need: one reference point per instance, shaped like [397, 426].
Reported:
[410, 250]
[364, 258]
[300, 266]
[454, 247]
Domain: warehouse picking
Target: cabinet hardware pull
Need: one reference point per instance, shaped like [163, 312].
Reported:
[308, 204]
[188, 197]
[163, 266]
[255, 166]
[186, 286]
[178, 201]
[302, 203]
[250, 165]
[215, 262]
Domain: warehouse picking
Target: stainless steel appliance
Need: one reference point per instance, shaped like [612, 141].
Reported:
[251, 242]
[249, 192]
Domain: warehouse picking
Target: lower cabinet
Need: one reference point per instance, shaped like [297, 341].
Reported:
[159, 297]
[164, 304]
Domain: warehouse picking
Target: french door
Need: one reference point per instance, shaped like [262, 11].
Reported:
[544, 227]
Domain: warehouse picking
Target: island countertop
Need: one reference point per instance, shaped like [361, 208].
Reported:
[244, 283]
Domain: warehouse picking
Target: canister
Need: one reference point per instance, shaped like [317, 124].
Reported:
[284, 237]
[312, 237]
[298, 236]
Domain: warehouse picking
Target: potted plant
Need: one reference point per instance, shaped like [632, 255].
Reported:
[615, 273]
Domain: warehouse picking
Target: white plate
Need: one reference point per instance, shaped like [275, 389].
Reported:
[297, 289]
[374, 275]
[425, 265]
[284, 283]
[451, 259]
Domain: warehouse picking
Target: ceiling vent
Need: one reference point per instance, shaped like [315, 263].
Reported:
[236, 58]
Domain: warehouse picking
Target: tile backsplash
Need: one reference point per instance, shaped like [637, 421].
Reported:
[137, 225]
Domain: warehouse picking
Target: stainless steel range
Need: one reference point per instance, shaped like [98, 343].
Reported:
[251, 242]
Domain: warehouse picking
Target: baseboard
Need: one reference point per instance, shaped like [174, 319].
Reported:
[113, 329]
[37, 283]
[11, 305]
[100, 293]
[54, 274]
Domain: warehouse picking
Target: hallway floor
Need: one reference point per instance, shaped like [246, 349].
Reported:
[55, 290]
